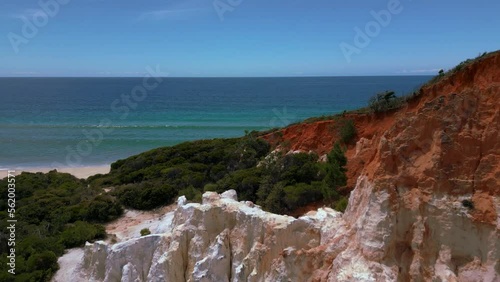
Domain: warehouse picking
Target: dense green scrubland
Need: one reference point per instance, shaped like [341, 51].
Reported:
[278, 182]
[54, 211]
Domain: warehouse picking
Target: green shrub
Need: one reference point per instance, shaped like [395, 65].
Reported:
[274, 201]
[103, 209]
[146, 195]
[302, 194]
[347, 131]
[384, 101]
[145, 232]
[245, 182]
[300, 167]
[336, 171]
[341, 204]
[210, 187]
[294, 180]
[44, 261]
[191, 194]
[75, 235]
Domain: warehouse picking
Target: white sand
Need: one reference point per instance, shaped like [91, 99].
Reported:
[129, 225]
[68, 266]
[80, 172]
[126, 227]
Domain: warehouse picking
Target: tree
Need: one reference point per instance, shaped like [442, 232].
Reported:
[347, 130]
[335, 175]
[43, 261]
[384, 101]
[275, 200]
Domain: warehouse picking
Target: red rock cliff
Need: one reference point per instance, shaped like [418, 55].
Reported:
[415, 172]
[448, 134]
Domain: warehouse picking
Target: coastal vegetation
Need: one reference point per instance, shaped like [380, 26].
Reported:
[54, 211]
[458, 67]
[347, 131]
[277, 181]
[145, 232]
[385, 101]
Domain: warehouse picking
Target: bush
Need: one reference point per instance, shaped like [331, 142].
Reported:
[75, 235]
[302, 194]
[341, 204]
[245, 182]
[274, 202]
[146, 195]
[335, 176]
[210, 187]
[384, 101]
[145, 232]
[191, 194]
[297, 168]
[44, 261]
[103, 209]
[294, 180]
[347, 131]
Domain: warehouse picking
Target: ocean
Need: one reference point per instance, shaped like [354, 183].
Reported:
[96, 121]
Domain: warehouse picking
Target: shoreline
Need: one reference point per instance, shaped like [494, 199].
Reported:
[82, 172]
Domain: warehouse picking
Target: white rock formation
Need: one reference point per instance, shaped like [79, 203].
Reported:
[226, 240]
[219, 240]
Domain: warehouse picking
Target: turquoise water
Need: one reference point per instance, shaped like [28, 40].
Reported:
[86, 121]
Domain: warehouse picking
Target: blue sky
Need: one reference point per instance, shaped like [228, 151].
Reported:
[252, 38]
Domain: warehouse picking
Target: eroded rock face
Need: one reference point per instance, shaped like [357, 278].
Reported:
[413, 170]
[226, 240]
[219, 240]
[423, 170]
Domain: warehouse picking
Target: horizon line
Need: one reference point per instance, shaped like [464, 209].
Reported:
[305, 76]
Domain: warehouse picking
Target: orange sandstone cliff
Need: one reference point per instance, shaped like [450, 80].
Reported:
[446, 137]
[418, 165]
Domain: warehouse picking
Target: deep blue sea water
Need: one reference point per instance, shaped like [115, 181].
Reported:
[75, 121]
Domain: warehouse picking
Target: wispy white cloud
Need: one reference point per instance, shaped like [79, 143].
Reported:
[167, 14]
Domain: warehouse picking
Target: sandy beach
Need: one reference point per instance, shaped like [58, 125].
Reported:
[80, 172]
